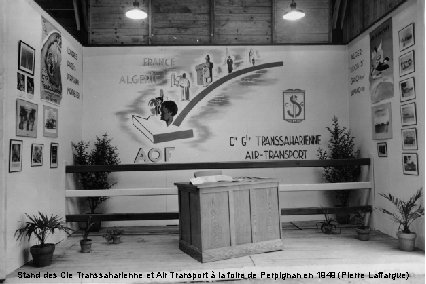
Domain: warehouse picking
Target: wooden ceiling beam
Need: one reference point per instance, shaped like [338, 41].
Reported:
[336, 13]
[84, 13]
[76, 14]
[342, 18]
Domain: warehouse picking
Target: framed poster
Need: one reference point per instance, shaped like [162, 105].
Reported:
[406, 37]
[21, 82]
[50, 121]
[410, 165]
[407, 89]
[382, 121]
[26, 58]
[382, 149]
[26, 118]
[406, 63]
[408, 114]
[409, 139]
[54, 155]
[381, 62]
[36, 155]
[15, 155]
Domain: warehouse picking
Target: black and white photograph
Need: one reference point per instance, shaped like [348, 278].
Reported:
[382, 149]
[36, 155]
[406, 63]
[409, 139]
[30, 85]
[410, 164]
[15, 155]
[54, 155]
[20, 82]
[382, 121]
[212, 141]
[50, 121]
[408, 114]
[407, 89]
[406, 37]
[26, 60]
[26, 118]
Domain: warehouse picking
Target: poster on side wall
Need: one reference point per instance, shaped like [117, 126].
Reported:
[51, 81]
[382, 121]
[381, 64]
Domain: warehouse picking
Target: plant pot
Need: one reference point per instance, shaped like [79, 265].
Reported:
[406, 241]
[86, 245]
[363, 234]
[116, 239]
[42, 256]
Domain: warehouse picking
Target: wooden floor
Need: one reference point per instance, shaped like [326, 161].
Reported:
[147, 251]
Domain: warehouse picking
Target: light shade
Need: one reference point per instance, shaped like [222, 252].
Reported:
[136, 13]
[293, 14]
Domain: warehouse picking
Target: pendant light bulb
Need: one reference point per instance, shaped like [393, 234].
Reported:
[136, 13]
[293, 14]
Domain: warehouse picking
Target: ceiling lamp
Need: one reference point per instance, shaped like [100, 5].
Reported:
[293, 14]
[136, 13]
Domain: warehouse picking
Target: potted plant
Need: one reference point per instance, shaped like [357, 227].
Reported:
[341, 145]
[103, 153]
[86, 243]
[328, 226]
[363, 233]
[362, 230]
[407, 212]
[113, 236]
[40, 226]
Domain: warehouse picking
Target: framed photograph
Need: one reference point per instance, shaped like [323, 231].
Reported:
[382, 121]
[407, 89]
[50, 121]
[26, 118]
[410, 165]
[30, 85]
[20, 82]
[409, 139]
[15, 155]
[382, 149]
[406, 63]
[26, 58]
[36, 155]
[406, 37]
[54, 155]
[408, 114]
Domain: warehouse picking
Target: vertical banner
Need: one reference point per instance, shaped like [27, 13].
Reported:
[51, 82]
[381, 67]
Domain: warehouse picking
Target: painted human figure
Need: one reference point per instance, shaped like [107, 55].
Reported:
[155, 105]
[251, 56]
[229, 61]
[168, 111]
[184, 84]
[207, 71]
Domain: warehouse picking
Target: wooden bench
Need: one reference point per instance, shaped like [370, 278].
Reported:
[366, 207]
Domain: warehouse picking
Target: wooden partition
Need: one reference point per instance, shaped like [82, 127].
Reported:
[369, 185]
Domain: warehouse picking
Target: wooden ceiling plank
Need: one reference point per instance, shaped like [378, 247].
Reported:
[76, 14]
[342, 18]
[84, 12]
[336, 13]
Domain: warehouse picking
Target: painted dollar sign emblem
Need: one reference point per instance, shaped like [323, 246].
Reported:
[295, 105]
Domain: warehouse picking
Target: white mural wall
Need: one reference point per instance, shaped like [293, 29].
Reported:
[226, 104]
